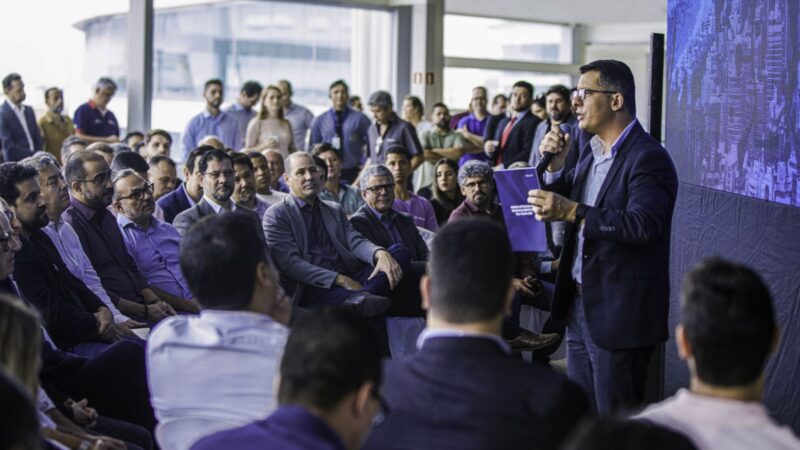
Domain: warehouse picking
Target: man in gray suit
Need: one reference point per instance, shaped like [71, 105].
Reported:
[217, 179]
[320, 256]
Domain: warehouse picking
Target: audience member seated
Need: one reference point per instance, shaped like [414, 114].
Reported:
[103, 149]
[216, 371]
[217, 179]
[244, 188]
[212, 141]
[276, 170]
[19, 134]
[727, 333]
[616, 434]
[385, 227]
[76, 318]
[93, 121]
[242, 109]
[329, 391]
[513, 137]
[163, 175]
[20, 429]
[336, 189]
[156, 142]
[463, 389]
[54, 126]
[389, 131]
[263, 174]
[438, 142]
[446, 193]
[189, 192]
[212, 121]
[472, 126]
[133, 138]
[72, 144]
[153, 244]
[126, 159]
[419, 208]
[89, 179]
[344, 128]
[299, 117]
[270, 130]
[322, 259]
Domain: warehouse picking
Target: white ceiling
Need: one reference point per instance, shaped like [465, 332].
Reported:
[591, 12]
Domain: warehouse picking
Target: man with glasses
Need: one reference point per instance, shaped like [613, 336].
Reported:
[89, 180]
[612, 286]
[153, 244]
[329, 392]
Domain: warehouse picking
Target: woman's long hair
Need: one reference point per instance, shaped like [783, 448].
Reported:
[20, 341]
[448, 203]
[263, 112]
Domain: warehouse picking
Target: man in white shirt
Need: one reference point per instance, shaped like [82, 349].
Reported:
[727, 333]
[216, 371]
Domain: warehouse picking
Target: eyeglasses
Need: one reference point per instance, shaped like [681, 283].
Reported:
[100, 179]
[483, 184]
[217, 174]
[140, 194]
[581, 93]
[380, 187]
[383, 409]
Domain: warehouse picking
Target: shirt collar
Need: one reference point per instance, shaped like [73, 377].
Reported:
[522, 114]
[123, 221]
[433, 333]
[597, 146]
[216, 206]
[300, 202]
[236, 106]
[475, 210]
[391, 214]
[85, 210]
[18, 109]
[207, 114]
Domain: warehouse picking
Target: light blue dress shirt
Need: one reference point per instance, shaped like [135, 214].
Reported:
[223, 126]
[300, 117]
[242, 117]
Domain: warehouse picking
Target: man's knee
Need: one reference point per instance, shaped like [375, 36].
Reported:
[401, 254]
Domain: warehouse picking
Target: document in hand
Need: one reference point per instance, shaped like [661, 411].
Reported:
[525, 232]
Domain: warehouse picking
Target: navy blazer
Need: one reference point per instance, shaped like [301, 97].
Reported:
[12, 135]
[467, 393]
[520, 139]
[625, 270]
[366, 223]
[174, 203]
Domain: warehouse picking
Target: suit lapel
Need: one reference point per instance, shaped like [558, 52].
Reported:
[619, 159]
[299, 224]
[329, 220]
[581, 170]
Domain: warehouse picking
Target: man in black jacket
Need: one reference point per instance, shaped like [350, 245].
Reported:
[513, 137]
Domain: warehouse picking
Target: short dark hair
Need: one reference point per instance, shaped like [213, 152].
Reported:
[242, 160]
[253, 154]
[132, 134]
[69, 142]
[621, 434]
[416, 103]
[440, 105]
[398, 150]
[339, 82]
[541, 101]
[129, 160]
[214, 154]
[470, 269]
[196, 153]
[319, 162]
[728, 317]
[615, 75]
[216, 81]
[329, 354]
[158, 159]
[559, 89]
[498, 97]
[19, 417]
[323, 147]
[10, 78]
[12, 173]
[251, 88]
[524, 85]
[101, 147]
[49, 90]
[74, 170]
[219, 256]
[157, 132]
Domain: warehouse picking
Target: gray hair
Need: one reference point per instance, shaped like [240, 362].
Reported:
[287, 162]
[380, 99]
[40, 160]
[373, 171]
[474, 169]
[105, 82]
[122, 174]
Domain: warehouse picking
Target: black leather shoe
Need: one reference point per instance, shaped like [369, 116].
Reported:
[528, 341]
[367, 304]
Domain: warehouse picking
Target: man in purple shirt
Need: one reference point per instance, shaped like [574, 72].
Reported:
[153, 244]
[89, 179]
[390, 130]
[473, 125]
[329, 390]
[419, 208]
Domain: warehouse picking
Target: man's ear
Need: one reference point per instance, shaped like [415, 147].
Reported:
[117, 205]
[425, 291]
[186, 173]
[75, 186]
[682, 342]
[264, 275]
[618, 102]
[361, 399]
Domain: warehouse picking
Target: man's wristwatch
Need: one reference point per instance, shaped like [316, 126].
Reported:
[580, 212]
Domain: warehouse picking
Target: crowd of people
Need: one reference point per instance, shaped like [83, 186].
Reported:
[245, 304]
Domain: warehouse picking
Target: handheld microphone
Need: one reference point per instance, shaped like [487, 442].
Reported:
[547, 157]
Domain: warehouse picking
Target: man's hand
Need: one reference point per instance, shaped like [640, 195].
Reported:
[130, 324]
[522, 287]
[490, 147]
[82, 414]
[554, 265]
[104, 320]
[556, 143]
[387, 264]
[158, 311]
[431, 156]
[108, 443]
[549, 206]
[347, 283]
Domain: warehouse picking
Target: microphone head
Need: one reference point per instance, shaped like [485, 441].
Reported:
[565, 128]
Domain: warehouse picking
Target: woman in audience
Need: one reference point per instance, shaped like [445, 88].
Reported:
[446, 193]
[414, 112]
[270, 130]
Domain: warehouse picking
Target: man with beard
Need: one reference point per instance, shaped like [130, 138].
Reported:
[89, 180]
[153, 244]
[514, 135]
[559, 111]
[212, 121]
[244, 188]
[438, 142]
[77, 320]
[263, 173]
[217, 178]
[54, 126]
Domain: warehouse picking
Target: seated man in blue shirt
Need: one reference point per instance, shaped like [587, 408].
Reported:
[329, 392]
[153, 244]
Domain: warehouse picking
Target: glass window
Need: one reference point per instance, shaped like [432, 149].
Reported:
[501, 39]
[458, 83]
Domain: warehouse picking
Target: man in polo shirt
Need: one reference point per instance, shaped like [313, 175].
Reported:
[242, 109]
[439, 142]
[390, 130]
[344, 128]
[299, 116]
[212, 121]
[54, 126]
[263, 173]
[93, 121]
[19, 135]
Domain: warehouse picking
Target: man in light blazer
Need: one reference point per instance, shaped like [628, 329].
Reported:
[19, 134]
[322, 259]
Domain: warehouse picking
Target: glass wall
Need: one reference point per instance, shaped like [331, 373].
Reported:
[458, 83]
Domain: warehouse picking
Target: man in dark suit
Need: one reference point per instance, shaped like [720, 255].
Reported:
[463, 389]
[189, 192]
[612, 285]
[322, 259]
[19, 134]
[514, 135]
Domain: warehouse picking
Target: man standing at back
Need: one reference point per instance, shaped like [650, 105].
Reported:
[612, 286]
[298, 115]
[559, 111]
[94, 122]
[462, 389]
[242, 109]
[19, 135]
[514, 135]
[211, 122]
